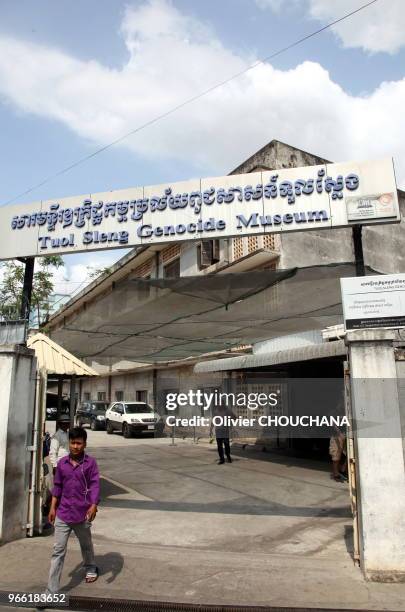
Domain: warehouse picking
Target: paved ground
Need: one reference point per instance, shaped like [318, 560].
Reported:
[173, 525]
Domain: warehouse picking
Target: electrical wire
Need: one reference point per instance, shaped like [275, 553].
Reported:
[188, 101]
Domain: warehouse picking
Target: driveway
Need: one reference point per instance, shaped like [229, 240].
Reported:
[179, 496]
[175, 526]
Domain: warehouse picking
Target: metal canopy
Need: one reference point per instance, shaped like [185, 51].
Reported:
[56, 360]
[336, 348]
[158, 320]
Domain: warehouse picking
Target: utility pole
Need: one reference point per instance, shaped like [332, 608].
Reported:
[27, 287]
[358, 250]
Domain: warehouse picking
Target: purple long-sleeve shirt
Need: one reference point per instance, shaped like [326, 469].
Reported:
[77, 487]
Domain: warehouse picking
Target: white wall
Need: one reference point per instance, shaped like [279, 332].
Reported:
[17, 384]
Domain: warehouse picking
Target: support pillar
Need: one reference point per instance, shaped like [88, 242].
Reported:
[60, 397]
[358, 249]
[27, 288]
[17, 384]
[379, 454]
[72, 404]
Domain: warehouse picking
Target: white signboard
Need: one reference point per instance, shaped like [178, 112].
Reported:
[374, 301]
[295, 199]
[378, 206]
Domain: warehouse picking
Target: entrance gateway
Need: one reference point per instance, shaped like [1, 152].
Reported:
[296, 199]
[327, 196]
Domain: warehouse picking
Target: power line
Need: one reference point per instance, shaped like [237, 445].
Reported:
[189, 101]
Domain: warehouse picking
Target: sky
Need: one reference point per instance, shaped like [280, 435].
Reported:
[75, 76]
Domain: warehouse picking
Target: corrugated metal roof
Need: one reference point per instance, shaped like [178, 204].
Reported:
[302, 353]
[55, 359]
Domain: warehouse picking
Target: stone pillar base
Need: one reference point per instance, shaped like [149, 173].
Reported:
[384, 576]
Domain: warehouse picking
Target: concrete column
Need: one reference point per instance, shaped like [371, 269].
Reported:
[60, 397]
[379, 454]
[17, 384]
[72, 404]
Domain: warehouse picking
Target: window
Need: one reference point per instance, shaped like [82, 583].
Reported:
[253, 244]
[137, 408]
[119, 396]
[238, 248]
[99, 406]
[207, 253]
[141, 396]
[101, 396]
[86, 396]
[269, 242]
[172, 269]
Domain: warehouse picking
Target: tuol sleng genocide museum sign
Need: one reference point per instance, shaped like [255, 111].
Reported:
[295, 199]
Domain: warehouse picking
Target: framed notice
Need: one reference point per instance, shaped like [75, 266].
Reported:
[373, 301]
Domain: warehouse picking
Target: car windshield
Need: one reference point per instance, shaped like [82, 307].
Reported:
[101, 407]
[137, 408]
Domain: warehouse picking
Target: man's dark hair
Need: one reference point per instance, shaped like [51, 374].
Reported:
[77, 432]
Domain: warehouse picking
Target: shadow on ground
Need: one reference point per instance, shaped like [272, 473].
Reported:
[111, 563]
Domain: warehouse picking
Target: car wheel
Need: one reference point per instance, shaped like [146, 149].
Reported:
[126, 432]
[93, 425]
[110, 428]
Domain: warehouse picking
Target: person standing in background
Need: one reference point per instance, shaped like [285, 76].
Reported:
[337, 451]
[223, 432]
[60, 441]
[337, 446]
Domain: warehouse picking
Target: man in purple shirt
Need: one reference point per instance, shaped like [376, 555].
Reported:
[75, 497]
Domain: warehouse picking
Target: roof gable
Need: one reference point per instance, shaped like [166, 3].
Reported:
[277, 155]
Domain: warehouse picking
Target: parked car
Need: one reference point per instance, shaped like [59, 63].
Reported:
[51, 412]
[91, 413]
[52, 406]
[130, 418]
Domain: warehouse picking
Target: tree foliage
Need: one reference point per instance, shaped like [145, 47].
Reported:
[94, 273]
[11, 286]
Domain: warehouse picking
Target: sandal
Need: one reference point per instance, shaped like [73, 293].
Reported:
[91, 576]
